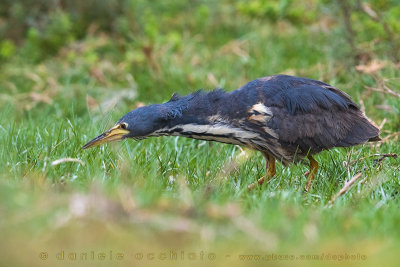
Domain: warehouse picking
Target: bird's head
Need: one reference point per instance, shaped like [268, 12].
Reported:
[137, 124]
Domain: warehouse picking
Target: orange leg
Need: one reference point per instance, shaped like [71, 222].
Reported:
[270, 166]
[312, 172]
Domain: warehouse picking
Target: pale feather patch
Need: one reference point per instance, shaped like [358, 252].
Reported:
[263, 116]
[258, 118]
[217, 129]
[261, 108]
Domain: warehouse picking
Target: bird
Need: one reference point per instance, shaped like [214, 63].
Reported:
[287, 118]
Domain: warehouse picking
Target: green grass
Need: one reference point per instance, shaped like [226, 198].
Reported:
[172, 193]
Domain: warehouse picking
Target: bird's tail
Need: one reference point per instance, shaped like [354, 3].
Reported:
[375, 139]
[362, 130]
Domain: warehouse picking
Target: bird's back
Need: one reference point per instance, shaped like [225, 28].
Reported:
[303, 115]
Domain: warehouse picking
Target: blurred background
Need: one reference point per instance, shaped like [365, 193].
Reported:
[171, 46]
[70, 68]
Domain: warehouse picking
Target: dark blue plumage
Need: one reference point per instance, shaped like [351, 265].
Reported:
[298, 94]
[286, 118]
[308, 115]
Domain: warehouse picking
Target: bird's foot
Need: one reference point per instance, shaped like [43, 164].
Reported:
[259, 182]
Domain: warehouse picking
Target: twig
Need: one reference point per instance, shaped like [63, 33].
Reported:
[385, 90]
[350, 183]
[346, 187]
[362, 106]
[380, 127]
[390, 136]
[390, 91]
[382, 156]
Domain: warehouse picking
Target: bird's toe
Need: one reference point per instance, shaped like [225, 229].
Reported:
[259, 182]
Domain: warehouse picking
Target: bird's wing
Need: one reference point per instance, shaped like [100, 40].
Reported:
[318, 117]
[308, 96]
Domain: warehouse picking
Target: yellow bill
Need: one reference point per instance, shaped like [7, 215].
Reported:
[114, 134]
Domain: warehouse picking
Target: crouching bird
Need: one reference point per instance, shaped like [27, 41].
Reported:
[286, 118]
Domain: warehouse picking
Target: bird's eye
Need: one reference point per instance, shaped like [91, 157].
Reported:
[123, 125]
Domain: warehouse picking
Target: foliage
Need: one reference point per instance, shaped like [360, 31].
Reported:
[297, 12]
[372, 26]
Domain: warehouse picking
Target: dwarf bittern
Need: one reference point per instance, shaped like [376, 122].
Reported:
[286, 118]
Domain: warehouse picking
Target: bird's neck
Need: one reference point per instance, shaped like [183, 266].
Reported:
[205, 120]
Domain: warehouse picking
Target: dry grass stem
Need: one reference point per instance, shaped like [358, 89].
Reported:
[346, 187]
[59, 161]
